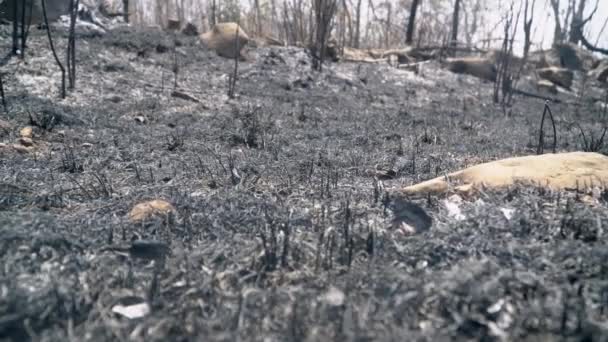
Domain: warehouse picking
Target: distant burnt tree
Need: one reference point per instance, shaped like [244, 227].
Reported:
[324, 11]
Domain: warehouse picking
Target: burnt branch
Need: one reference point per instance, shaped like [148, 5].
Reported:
[48, 31]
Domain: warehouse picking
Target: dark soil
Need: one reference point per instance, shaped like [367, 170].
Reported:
[282, 232]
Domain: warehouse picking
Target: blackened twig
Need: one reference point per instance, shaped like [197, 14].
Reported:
[541, 143]
[2, 94]
[15, 30]
[71, 53]
[48, 31]
[232, 84]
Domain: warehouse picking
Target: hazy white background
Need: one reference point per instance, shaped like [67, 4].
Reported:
[493, 10]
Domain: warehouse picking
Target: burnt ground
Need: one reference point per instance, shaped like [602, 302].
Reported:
[281, 232]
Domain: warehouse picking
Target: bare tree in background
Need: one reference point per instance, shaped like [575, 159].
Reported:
[22, 19]
[505, 77]
[528, 19]
[324, 11]
[48, 31]
[409, 35]
[257, 16]
[387, 23]
[557, 32]
[125, 8]
[578, 22]
[455, 18]
[471, 21]
[358, 25]
[213, 13]
[71, 52]
[15, 13]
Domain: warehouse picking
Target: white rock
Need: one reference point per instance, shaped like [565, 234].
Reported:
[132, 311]
[507, 212]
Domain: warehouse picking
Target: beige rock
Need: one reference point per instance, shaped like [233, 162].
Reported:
[560, 76]
[26, 132]
[561, 171]
[224, 40]
[359, 55]
[479, 67]
[150, 209]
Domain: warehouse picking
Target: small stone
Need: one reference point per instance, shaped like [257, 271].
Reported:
[5, 125]
[86, 145]
[21, 148]
[114, 99]
[334, 297]
[28, 142]
[132, 311]
[140, 119]
[146, 210]
[26, 132]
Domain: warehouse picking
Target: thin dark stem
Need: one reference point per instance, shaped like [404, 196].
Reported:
[71, 53]
[541, 142]
[2, 94]
[22, 26]
[25, 28]
[554, 130]
[48, 31]
[232, 84]
[15, 29]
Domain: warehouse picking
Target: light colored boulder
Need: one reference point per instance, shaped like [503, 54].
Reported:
[150, 209]
[227, 39]
[480, 67]
[560, 76]
[560, 171]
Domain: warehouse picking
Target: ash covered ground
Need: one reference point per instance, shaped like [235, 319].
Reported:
[281, 231]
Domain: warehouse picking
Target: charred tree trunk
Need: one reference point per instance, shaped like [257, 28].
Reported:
[557, 33]
[48, 31]
[258, 24]
[125, 8]
[213, 13]
[324, 11]
[578, 22]
[409, 35]
[455, 19]
[528, 19]
[387, 31]
[576, 25]
[358, 25]
[15, 49]
[71, 53]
